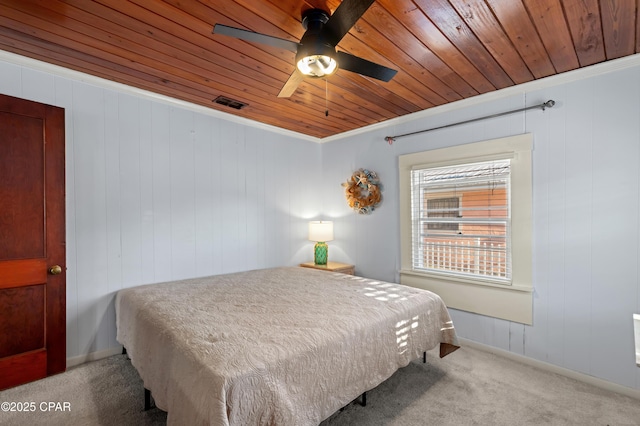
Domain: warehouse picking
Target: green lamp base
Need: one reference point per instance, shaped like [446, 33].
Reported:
[320, 251]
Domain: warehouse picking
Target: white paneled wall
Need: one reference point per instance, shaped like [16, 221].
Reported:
[586, 209]
[156, 192]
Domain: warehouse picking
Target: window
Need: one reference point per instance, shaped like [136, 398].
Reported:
[466, 225]
[471, 239]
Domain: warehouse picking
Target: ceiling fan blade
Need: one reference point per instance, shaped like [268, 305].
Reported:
[256, 37]
[362, 66]
[345, 17]
[291, 85]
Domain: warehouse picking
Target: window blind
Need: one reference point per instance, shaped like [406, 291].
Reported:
[461, 220]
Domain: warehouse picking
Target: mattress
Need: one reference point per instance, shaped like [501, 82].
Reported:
[282, 346]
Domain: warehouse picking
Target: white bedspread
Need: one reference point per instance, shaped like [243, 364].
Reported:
[284, 346]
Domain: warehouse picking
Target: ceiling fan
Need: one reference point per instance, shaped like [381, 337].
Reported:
[316, 54]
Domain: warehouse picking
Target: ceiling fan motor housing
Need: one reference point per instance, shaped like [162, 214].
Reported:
[314, 19]
[313, 42]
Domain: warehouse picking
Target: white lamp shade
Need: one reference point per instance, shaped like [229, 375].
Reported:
[321, 231]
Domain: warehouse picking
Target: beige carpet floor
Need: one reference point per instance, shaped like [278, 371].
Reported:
[469, 387]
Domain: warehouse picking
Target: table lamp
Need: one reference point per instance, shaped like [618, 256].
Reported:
[320, 232]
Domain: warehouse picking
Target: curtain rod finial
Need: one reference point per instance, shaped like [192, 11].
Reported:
[390, 140]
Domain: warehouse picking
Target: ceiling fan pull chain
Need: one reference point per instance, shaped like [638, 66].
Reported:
[326, 97]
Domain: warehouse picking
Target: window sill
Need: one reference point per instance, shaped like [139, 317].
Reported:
[508, 302]
[458, 279]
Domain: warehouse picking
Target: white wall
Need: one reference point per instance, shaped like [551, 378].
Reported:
[586, 209]
[157, 192]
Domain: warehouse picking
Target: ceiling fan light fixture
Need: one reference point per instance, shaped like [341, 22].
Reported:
[315, 58]
[317, 65]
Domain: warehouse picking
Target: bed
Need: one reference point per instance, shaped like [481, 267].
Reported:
[281, 346]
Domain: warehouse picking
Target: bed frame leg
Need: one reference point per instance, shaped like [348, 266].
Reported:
[363, 399]
[424, 357]
[147, 400]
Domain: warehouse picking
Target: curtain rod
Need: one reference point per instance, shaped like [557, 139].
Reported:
[549, 104]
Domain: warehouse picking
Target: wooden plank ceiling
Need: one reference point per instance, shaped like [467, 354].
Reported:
[444, 50]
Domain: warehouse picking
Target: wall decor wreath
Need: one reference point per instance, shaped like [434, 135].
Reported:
[362, 191]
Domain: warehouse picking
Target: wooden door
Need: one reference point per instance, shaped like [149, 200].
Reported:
[32, 242]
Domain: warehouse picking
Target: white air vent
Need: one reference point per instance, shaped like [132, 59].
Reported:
[636, 327]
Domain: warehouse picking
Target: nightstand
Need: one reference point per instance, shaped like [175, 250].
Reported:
[343, 268]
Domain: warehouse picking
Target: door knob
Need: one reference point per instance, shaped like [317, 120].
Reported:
[55, 270]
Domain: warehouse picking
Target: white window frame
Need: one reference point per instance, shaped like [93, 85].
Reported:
[512, 302]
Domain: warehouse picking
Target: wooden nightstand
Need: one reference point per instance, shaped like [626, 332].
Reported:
[343, 268]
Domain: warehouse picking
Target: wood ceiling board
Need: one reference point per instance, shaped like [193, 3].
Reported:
[554, 32]
[618, 27]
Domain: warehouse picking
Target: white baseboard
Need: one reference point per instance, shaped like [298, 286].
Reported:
[603, 384]
[93, 356]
